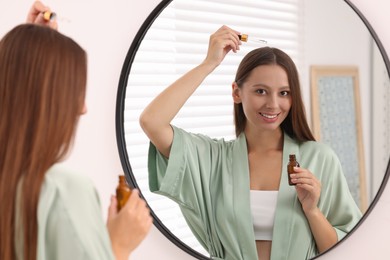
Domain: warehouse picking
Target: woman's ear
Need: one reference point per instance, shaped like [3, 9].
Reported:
[85, 109]
[236, 93]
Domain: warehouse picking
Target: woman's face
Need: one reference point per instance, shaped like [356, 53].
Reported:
[265, 97]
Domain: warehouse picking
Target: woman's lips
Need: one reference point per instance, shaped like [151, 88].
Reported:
[269, 117]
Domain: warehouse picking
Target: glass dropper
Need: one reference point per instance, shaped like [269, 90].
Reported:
[245, 38]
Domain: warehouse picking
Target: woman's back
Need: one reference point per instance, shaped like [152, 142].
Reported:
[70, 224]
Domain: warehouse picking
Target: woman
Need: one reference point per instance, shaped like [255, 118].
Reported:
[234, 194]
[47, 211]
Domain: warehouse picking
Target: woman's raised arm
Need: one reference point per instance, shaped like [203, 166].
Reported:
[155, 120]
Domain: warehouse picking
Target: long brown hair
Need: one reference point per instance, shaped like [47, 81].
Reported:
[42, 92]
[295, 125]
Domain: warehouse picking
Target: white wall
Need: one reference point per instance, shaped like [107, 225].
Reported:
[105, 30]
[335, 35]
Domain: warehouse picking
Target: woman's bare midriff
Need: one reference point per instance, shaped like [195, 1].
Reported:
[263, 249]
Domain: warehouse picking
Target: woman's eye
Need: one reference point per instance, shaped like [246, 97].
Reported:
[284, 93]
[260, 91]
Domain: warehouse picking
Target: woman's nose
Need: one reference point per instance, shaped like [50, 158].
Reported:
[271, 102]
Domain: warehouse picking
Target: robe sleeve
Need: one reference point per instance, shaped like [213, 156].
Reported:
[186, 179]
[186, 173]
[336, 201]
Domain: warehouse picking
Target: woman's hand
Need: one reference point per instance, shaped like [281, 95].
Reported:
[128, 227]
[221, 42]
[308, 189]
[35, 15]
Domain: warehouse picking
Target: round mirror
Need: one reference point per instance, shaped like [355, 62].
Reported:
[330, 42]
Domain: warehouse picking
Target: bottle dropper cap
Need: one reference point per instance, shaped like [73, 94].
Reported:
[47, 15]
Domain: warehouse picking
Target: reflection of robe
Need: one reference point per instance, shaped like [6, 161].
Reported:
[209, 179]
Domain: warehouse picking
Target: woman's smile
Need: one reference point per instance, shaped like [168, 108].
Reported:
[269, 117]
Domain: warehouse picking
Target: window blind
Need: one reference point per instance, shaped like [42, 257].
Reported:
[175, 43]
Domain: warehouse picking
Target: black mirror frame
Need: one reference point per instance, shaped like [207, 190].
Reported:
[120, 135]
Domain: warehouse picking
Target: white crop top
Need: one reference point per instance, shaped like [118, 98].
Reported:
[263, 207]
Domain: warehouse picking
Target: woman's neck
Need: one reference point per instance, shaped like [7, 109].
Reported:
[264, 141]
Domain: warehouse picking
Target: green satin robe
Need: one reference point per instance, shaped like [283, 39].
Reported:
[209, 179]
[70, 222]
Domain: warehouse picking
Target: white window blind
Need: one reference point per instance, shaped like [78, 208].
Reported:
[178, 41]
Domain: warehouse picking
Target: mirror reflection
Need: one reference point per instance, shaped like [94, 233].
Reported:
[178, 40]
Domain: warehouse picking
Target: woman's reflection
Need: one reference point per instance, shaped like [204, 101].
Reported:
[235, 194]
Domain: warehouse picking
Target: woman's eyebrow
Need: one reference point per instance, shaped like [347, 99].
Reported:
[266, 86]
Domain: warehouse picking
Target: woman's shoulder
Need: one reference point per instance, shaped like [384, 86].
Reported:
[63, 177]
[67, 187]
[318, 148]
[207, 138]
[309, 147]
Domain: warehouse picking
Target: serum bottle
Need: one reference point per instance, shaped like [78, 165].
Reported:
[290, 167]
[123, 192]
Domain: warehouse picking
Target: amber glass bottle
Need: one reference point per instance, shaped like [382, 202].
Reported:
[290, 167]
[123, 192]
